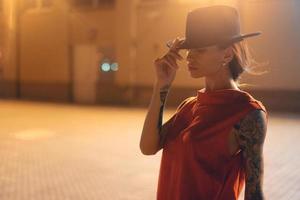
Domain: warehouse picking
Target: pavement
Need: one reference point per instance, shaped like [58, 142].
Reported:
[51, 151]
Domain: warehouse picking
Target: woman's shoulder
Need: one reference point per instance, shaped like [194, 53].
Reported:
[253, 101]
[257, 104]
[185, 102]
[257, 111]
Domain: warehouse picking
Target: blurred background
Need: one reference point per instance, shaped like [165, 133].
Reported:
[102, 51]
[76, 79]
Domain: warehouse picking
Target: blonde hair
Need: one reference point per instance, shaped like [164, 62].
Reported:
[243, 61]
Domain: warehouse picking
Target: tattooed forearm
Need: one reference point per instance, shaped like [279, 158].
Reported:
[163, 95]
[251, 136]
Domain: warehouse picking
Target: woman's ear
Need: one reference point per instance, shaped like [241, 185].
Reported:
[228, 54]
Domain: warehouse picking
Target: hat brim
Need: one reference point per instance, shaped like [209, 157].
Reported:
[185, 45]
[242, 36]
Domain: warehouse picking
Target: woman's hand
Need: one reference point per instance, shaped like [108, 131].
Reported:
[167, 66]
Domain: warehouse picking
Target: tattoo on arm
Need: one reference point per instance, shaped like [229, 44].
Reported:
[251, 136]
[163, 95]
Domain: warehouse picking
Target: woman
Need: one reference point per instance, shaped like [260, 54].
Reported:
[213, 144]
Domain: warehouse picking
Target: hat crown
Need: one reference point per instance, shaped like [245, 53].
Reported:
[213, 24]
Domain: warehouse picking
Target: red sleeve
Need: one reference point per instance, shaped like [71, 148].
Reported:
[169, 124]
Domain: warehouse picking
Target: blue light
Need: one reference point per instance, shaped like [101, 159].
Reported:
[105, 67]
[114, 66]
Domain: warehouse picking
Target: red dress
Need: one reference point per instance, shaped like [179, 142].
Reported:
[196, 163]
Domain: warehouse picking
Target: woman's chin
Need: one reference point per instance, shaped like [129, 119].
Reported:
[196, 75]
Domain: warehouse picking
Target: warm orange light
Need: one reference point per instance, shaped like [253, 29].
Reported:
[33, 134]
[11, 14]
[211, 2]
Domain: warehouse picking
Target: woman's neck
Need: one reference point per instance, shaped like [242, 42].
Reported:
[220, 81]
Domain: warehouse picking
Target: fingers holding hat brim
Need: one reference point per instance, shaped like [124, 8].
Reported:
[177, 43]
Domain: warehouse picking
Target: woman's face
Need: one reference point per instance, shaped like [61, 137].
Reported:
[205, 61]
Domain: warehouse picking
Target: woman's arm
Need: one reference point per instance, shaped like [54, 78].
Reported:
[149, 143]
[251, 137]
[165, 69]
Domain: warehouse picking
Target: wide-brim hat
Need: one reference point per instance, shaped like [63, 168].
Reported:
[212, 25]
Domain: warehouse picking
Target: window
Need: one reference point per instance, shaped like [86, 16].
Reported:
[106, 2]
[92, 3]
[82, 2]
[46, 3]
[36, 4]
[155, 1]
[29, 4]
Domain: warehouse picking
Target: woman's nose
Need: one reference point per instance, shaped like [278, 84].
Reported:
[188, 55]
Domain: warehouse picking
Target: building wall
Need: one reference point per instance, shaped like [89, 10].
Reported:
[8, 68]
[94, 28]
[44, 57]
[38, 46]
[126, 42]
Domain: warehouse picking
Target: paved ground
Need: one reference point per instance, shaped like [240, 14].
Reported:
[60, 152]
